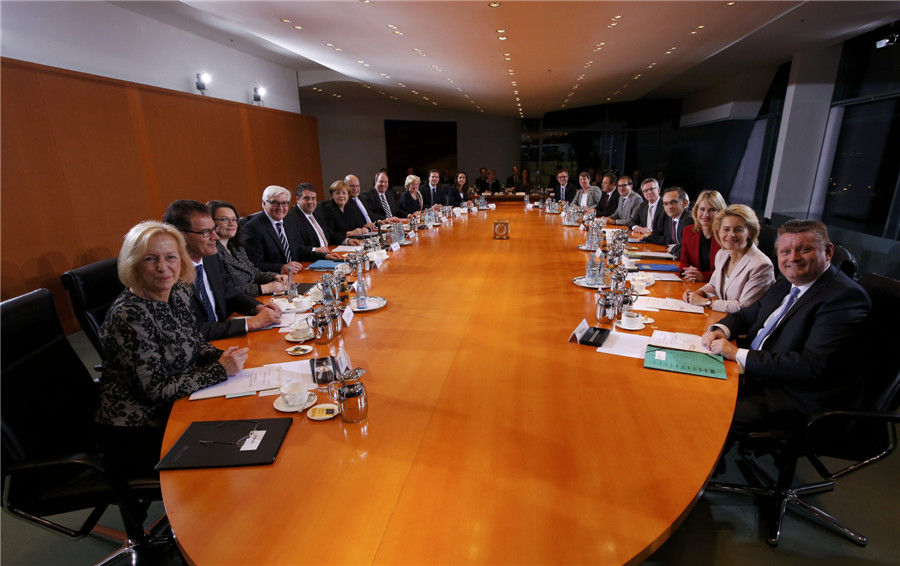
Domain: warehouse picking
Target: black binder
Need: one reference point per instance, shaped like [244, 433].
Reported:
[217, 444]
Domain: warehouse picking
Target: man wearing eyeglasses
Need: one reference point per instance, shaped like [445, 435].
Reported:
[566, 191]
[215, 297]
[678, 209]
[273, 238]
[629, 206]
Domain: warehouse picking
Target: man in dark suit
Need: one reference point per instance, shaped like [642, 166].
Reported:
[381, 202]
[314, 235]
[433, 194]
[609, 201]
[566, 190]
[357, 210]
[273, 238]
[512, 182]
[678, 209]
[481, 181]
[801, 336]
[652, 215]
[215, 297]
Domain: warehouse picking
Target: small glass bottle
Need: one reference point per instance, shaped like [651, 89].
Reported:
[361, 294]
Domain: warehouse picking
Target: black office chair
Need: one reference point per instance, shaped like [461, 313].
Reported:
[92, 289]
[862, 437]
[50, 460]
[767, 236]
[844, 261]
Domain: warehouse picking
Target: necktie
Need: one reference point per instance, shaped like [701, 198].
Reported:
[384, 204]
[201, 287]
[362, 209]
[675, 231]
[433, 196]
[322, 240]
[284, 243]
[651, 212]
[773, 322]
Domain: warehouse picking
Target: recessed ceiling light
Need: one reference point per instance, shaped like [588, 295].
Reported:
[668, 52]
[420, 54]
[338, 49]
[613, 24]
[360, 62]
[398, 32]
[366, 65]
[298, 27]
[501, 31]
[617, 17]
[285, 20]
[700, 27]
[694, 32]
[507, 58]
[494, 4]
[730, 3]
[391, 26]
[502, 38]
[329, 45]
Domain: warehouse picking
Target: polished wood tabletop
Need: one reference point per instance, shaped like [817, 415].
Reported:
[490, 439]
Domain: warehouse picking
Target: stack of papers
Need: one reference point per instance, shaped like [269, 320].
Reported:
[267, 380]
[655, 304]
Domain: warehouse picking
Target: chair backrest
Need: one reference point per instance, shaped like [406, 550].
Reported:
[767, 236]
[92, 289]
[881, 387]
[845, 261]
[48, 397]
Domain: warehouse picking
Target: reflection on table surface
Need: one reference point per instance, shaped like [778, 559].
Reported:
[490, 439]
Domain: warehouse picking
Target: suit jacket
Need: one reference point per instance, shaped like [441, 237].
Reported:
[566, 193]
[309, 238]
[806, 363]
[228, 299]
[513, 182]
[264, 247]
[690, 251]
[749, 280]
[440, 194]
[454, 198]
[336, 222]
[608, 203]
[594, 194]
[485, 186]
[243, 274]
[409, 204]
[627, 209]
[659, 224]
[373, 203]
[671, 238]
[355, 214]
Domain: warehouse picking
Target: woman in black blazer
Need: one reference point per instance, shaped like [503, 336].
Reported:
[411, 200]
[340, 220]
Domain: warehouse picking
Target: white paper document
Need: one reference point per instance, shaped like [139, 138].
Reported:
[667, 304]
[289, 318]
[245, 381]
[650, 255]
[678, 341]
[628, 345]
[343, 249]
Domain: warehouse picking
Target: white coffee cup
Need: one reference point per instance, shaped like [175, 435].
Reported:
[293, 394]
[302, 303]
[631, 320]
[639, 286]
[300, 330]
[282, 303]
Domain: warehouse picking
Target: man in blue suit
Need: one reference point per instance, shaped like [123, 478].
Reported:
[801, 336]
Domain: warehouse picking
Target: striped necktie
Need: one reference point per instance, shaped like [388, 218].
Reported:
[204, 297]
[387, 208]
[284, 242]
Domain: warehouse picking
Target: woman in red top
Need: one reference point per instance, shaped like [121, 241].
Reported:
[698, 246]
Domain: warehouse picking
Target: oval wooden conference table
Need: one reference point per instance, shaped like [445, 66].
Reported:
[490, 439]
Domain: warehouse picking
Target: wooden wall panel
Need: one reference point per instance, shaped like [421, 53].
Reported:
[84, 158]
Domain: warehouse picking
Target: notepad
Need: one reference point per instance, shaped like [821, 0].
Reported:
[324, 265]
[657, 267]
[682, 361]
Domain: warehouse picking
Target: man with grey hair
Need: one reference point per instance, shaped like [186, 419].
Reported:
[273, 237]
[629, 203]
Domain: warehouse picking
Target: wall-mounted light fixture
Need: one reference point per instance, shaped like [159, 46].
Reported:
[202, 79]
[258, 94]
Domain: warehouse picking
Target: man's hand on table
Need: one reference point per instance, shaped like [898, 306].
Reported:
[717, 343]
[266, 315]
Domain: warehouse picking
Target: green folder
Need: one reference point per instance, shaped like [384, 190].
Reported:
[684, 361]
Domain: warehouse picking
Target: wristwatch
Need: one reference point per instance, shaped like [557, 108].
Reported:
[708, 303]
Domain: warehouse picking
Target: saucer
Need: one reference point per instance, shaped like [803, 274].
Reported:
[323, 412]
[290, 338]
[280, 405]
[299, 350]
[372, 303]
[641, 327]
[641, 294]
[647, 320]
[582, 282]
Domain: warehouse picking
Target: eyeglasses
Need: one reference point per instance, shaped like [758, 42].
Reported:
[240, 441]
[279, 204]
[624, 185]
[203, 233]
[670, 202]
[225, 219]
